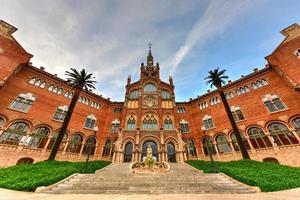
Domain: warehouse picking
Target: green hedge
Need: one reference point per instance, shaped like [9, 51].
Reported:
[268, 176]
[27, 177]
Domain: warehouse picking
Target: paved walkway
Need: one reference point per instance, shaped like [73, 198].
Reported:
[293, 194]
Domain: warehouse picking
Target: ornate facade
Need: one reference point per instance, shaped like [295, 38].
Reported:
[265, 105]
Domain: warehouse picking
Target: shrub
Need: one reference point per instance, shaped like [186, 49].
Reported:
[27, 177]
[267, 176]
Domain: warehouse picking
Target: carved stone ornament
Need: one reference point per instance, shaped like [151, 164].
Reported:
[150, 101]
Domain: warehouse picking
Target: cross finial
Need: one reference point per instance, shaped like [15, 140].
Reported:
[150, 44]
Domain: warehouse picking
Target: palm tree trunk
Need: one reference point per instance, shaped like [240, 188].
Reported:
[233, 125]
[64, 126]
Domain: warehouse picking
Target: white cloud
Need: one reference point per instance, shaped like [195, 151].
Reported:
[217, 18]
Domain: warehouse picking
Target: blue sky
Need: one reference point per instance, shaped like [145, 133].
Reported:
[109, 38]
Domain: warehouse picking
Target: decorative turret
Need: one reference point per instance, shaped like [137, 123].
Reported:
[150, 70]
[150, 57]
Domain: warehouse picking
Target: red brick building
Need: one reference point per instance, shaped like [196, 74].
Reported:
[265, 105]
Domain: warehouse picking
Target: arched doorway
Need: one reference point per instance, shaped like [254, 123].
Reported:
[171, 152]
[128, 152]
[154, 149]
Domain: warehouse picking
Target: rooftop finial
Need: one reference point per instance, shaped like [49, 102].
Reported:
[150, 57]
[150, 44]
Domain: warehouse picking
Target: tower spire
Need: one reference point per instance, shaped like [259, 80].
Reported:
[150, 57]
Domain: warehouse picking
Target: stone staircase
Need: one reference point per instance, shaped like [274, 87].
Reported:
[118, 179]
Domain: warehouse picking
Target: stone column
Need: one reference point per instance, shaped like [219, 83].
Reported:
[274, 145]
[295, 134]
[250, 144]
[65, 148]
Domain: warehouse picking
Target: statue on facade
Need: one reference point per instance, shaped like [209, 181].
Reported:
[149, 151]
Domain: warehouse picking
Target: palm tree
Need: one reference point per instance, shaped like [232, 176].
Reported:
[79, 81]
[216, 78]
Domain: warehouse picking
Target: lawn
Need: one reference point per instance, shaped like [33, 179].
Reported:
[27, 177]
[268, 176]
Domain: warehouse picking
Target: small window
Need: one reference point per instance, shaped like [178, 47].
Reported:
[38, 82]
[237, 113]
[208, 122]
[51, 88]
[149, 123]
[168, 124]
[134, 94]
[60, 114]
[273, 103]
[90, 122]
[165, 95]
[43, 84]
[60, 91]
[117, 109]
[23, 102]
[115, 125]
[32, 80]
[131, 123]
[184, 126]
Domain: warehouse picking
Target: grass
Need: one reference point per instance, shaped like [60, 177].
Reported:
[27, 177]
[268, 176]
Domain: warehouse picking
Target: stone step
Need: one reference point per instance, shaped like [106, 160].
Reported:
[118, 179]
[146, 191]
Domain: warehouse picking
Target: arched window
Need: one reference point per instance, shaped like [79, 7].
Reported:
[23, 102]
[237, 113]
[43, 84]
[128, 152]
[192, 148]
[295, 123]
[281, 134]
[149, 122]
[60, 91]
[38, 82]
[264, 82]
[62, 144]
[235, 144]
[70, 95]
[14, 134]
[150, 87]
[66, 94]
[55, 89]
[223, 144]
[208, 146]
[131, 123]
[115, 125]
[107, 147]
[51, 88]
[1, 122]
[184, 126]
[39, 137]
[168, 124]
[258, 138]
[32, 80]
[90, 122]
[89, 146]
[134, 94]
[75, 143]
[165, 95]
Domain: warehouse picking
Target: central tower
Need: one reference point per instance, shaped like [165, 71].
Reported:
[149, 117]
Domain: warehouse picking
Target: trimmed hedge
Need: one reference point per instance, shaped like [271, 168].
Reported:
[27, 177]
[268, 176]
